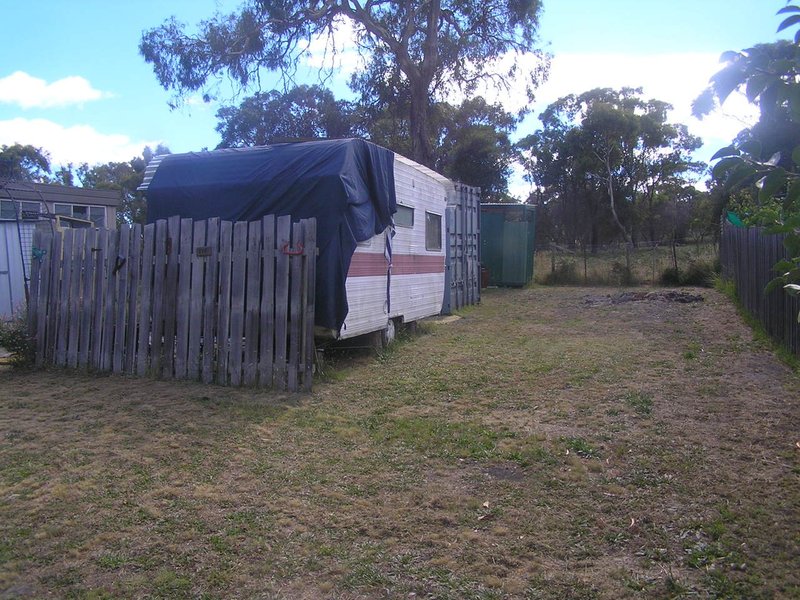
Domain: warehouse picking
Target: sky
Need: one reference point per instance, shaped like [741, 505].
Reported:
[72, 80]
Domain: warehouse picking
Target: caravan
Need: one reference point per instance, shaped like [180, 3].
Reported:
[381, 220]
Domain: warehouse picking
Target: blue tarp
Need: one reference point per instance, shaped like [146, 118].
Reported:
[348, 185]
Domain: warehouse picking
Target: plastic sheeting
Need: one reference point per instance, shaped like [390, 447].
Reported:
[348, 185]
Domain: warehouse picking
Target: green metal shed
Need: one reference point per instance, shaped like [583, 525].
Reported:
[507, 243]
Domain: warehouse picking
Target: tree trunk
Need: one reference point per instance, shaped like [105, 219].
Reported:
[421, 147]
[610, 186]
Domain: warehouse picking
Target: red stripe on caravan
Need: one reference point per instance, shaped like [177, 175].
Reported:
[371, 264]
[366, 264]
[412, 264]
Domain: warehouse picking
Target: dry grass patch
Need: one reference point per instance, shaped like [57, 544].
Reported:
[537, 447]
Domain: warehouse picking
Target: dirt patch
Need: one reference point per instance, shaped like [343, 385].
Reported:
[657, 296]
[531, 449]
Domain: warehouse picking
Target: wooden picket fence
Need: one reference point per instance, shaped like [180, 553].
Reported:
[215, 301]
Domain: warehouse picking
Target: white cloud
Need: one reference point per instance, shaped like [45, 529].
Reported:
[76, 144]
[676, 78]
[31, 92]
[338, 51]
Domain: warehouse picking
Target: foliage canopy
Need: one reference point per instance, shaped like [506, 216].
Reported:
[427, 45]
[609, 160]
[766, 157]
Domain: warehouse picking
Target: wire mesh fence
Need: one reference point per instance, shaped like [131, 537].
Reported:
[620, 264]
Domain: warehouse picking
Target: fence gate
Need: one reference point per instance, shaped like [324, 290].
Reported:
[215, 301]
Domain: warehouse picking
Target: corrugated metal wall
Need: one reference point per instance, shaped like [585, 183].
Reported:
[462, 285]
[508, 243]
[14, 264]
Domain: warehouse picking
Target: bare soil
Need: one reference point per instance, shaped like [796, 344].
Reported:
[540, 446]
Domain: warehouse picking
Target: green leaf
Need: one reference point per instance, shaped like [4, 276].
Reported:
[773, 285]
[729, 56]
[792, 244]
[792, 195]
[774, 159]
[796, 155]
[751, 147]
[783, 266]
[788, 9]
[788, 22]
[722, 169]
[793, 221]
[771, 184]
[792, 288]
[731, 151]
[794, 102]
[742, 174]
[756, 84]
[727, 80]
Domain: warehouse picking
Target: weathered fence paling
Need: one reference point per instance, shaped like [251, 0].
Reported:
[748, 256]
[208, 300]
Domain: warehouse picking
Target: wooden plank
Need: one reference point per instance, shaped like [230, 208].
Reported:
[121, 269]
[196, 287]
[63, 299]
[145, 301]
[252, 303]
[171, 296]
[183, 299]
[134, 289]
[296, 307]
[211, 297]
[43, 299]
[224, 303]
[75, 300]
[237, 301]
[159, 284]
[34, 284]
[267, 309]
[99, 297]
[282, 243]
[87, 300]
[310, 278]
[53, 301]
[109, 299]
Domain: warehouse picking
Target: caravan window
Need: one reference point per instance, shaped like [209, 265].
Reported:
[404, 217]
[433, 231]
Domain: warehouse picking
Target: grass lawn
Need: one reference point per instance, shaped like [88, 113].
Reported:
[538, 447]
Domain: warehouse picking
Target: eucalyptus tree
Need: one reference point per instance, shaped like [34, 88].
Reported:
[304, 112]
[433, 46]
[610, 152]
[124, 177]
[24, 162]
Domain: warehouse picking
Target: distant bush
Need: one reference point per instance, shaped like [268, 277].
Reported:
[15, 339]
[622, 274]
[671, 276]
[565, 272]
[698, 273]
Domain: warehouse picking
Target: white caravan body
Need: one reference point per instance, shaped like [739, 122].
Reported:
[412, 286]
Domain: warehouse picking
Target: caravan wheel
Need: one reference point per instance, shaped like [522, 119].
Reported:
[390, 333]
[381, 339]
